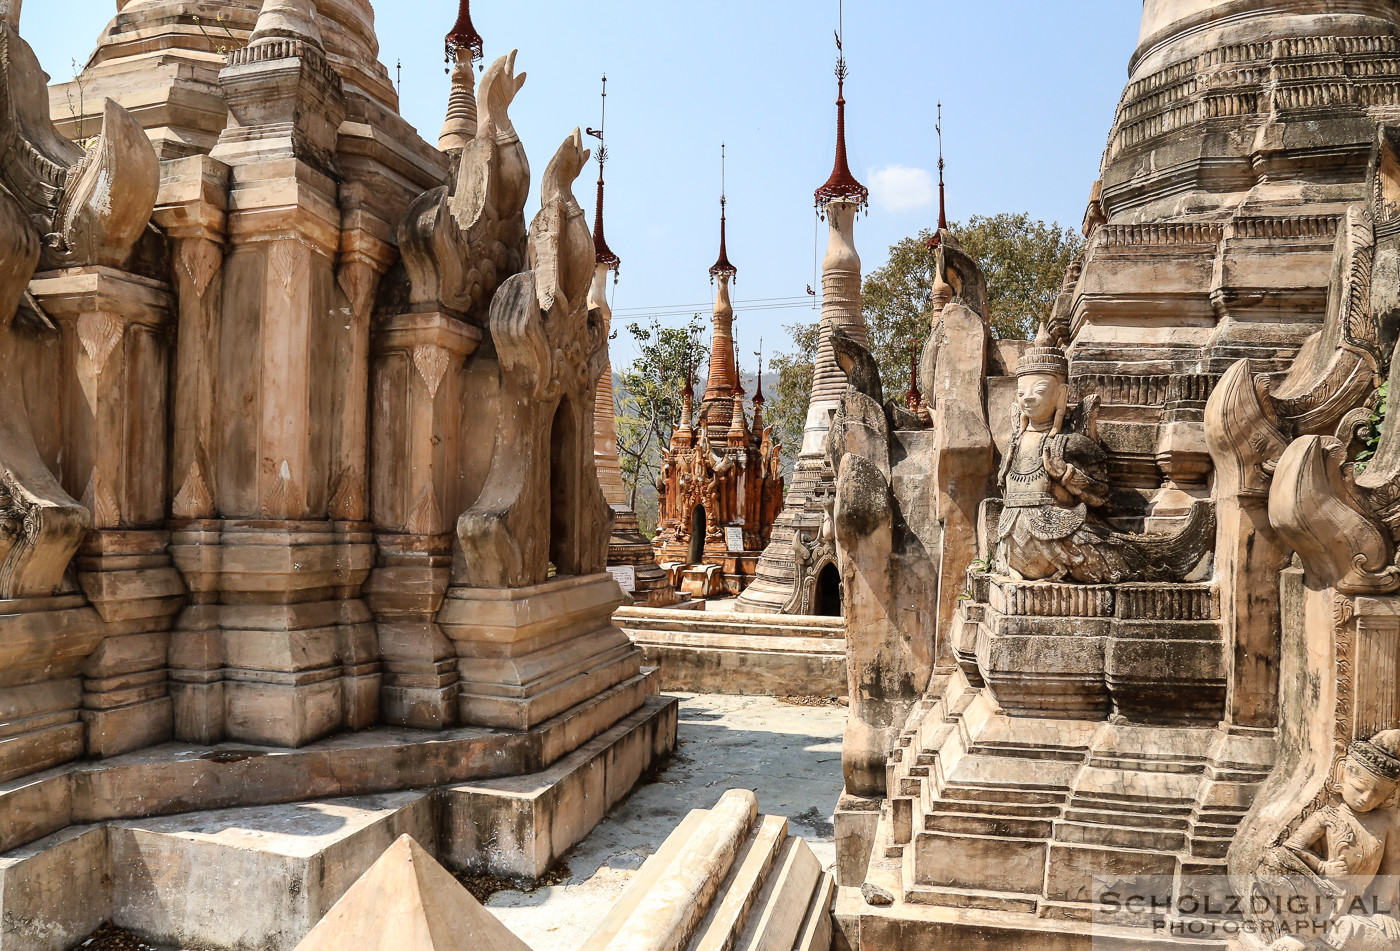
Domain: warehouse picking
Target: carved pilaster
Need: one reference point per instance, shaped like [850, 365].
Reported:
[418, 430]
[115, 333]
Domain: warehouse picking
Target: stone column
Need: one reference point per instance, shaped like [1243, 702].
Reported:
[299, 653]
[115, 359]
[776, 584]
[418, 421]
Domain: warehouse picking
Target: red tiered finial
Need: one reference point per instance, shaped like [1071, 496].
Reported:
[758, 396]
[604, 253]
[464, 35]
[842, 185]
[722, 266]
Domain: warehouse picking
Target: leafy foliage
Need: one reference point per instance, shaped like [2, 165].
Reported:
[786, 410]
[1376, 422]
[1024, 262]
[649, 398]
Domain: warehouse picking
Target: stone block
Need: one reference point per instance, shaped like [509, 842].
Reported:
[283, 714]
[253, 878]
[56, 891]
[519, 827]
[981, 863]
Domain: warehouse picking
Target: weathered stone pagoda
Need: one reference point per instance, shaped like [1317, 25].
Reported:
[1161, 656]
[630, 558]
[721, 482]
[298, 489]
[798, 572]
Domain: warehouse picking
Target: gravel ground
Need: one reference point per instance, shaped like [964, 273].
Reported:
[789, 754]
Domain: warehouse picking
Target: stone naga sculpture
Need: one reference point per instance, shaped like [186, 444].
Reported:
[541, 503]
[460, 242]
[59, 207]
[1053, 484]
[1293, 437]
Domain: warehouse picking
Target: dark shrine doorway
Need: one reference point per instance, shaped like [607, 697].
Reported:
[828, 592]
[697, 535]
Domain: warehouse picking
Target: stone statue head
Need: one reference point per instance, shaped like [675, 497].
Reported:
[1371, 771]
[1042, 385]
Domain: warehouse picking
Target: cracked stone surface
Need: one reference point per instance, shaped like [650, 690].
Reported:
[789, 755]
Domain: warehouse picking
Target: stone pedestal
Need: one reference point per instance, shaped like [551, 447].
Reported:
[289, 655]
[528, 654]
[44, 643]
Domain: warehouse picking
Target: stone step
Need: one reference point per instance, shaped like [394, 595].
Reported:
[173, 879]
[1117, 836]
[971, 898]
[748, 658]
[1004, 826]
[636, 620]
[724, 880]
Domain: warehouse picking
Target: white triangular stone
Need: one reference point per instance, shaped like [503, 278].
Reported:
[408, 902]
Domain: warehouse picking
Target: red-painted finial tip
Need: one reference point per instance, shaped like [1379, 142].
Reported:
[464, 36]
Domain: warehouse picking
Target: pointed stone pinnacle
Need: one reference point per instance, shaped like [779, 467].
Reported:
[408, 902]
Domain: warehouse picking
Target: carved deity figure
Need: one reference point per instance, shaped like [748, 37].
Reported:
[1341, 851]
[1054, 480]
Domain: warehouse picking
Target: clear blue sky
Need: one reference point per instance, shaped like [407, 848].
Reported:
[1028, 89]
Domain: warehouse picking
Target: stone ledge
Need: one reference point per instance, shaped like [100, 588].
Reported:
[173, 879]
[178, 778]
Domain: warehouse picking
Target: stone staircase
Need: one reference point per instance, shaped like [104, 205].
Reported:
[734, 653]
[1033, 817]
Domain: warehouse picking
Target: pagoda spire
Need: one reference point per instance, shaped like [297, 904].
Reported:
[717, 403]
[463, 37]
[605, 256]
[942, 194]
[464, 47]
[842, 185]
[722, 266]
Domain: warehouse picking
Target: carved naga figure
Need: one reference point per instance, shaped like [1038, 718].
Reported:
[460, 243]
[1054, 482]
[1293, 437]
[541, 503]
[59, 207]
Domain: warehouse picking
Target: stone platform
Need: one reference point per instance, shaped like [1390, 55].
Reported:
[728, 652]
[143, 840]
[1003, 829]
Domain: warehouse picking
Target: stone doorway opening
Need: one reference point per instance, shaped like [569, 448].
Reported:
[828, 592]
[697, 535]
[563, 438]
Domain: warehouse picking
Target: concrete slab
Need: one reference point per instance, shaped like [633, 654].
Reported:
[253, 878]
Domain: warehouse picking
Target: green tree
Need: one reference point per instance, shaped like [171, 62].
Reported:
[1024, 262]
[786, 410]
[648, 405]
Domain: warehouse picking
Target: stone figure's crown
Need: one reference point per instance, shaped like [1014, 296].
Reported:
[1044, 357]
[1380, 754]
